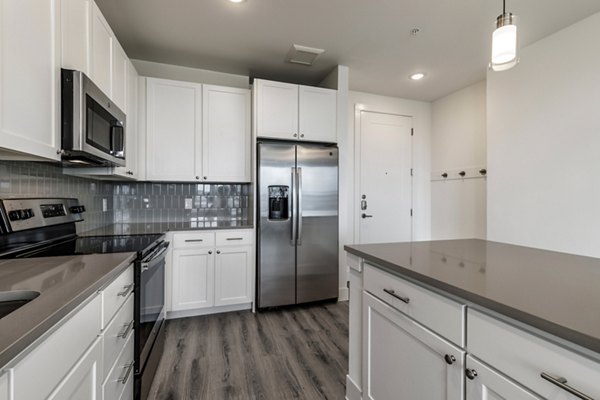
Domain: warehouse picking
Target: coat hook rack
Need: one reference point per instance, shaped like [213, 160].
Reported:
[459, 174]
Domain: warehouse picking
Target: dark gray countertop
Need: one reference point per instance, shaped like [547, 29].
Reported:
[555, 292]
[161, 227]
[63, 282]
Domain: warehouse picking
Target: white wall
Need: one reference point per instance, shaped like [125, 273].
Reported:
[458, 142]
[421, 113]
[176, 72]
[544, 144]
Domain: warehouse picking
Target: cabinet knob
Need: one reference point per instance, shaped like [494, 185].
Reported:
[205, 178]
[302, 135]
[197, 177]
[210, 252]
[218, 251]
[471, 373]
[450, 359]
[295, 135]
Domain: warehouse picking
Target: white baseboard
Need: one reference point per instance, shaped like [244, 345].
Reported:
[343, 294]
[206, 311]
[353, 392]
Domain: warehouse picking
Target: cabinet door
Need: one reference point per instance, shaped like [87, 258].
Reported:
[402, 359]
[173, 126]
[233, 275]
[276, 110]
[83, 381]
[485, 383]
[76, 34]
[131, 170]
[30, 78]
[119, 76]
[102, 51]
[193, 279]
[318, 114]
[5, 392]
[226, 134]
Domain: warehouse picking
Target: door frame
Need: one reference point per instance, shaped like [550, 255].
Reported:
[358, 110]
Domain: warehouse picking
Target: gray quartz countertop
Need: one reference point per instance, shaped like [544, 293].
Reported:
[555, 292]
[63, 282]
[162, 227]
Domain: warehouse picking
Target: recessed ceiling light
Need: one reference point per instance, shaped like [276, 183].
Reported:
[237, 1]
[417, 76]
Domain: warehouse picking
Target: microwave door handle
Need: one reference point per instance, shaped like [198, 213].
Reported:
[112, 140]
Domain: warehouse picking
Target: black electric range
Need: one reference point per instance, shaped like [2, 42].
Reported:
[32, 228]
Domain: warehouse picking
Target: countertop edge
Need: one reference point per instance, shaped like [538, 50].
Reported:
[20, 348]
[577, 338]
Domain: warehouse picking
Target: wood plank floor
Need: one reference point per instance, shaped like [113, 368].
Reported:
[292, 353]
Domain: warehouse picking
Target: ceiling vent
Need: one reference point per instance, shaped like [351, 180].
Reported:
[303, 55]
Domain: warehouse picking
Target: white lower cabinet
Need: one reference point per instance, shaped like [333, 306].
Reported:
[485, 383]
[82, 380]
[404, 360]
[69, 362]
[193, 274]
[211, 272]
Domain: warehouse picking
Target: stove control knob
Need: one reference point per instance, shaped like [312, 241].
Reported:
[14, 215]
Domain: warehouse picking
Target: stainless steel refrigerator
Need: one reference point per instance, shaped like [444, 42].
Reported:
[297, 223]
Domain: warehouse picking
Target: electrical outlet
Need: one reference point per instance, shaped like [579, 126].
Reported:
[188, 203]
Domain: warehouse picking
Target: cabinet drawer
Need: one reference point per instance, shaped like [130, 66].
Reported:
[116, 334]
[235, 238]
[524, 357]
[442, 315]
[115, 295]
[193, 239]
[120, 377]
[61, 350]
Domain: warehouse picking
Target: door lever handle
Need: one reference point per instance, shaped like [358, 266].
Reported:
[366, 216]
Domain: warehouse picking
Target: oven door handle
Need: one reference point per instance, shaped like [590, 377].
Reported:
[146, 265]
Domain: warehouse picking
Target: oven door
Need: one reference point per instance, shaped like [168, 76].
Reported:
[149, 302]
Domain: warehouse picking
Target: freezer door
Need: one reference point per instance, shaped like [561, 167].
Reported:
[317, 237]
[276, 281]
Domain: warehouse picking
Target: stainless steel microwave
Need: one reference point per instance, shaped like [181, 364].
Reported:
[93, 127]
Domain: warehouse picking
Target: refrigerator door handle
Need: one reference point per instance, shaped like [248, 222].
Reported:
[291, 211]
[299, 207]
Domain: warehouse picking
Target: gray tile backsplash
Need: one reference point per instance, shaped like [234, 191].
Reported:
[30, 179]
[191, 204]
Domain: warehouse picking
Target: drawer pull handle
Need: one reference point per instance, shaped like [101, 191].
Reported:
[128, 289]
[128, 328]
[562, 383]
[450, 359]
[392, 293]
[235, 238]
[125, 377]
[471, 373]
[193, 240]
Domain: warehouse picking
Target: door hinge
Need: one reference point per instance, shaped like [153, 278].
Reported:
[412, 131]
[411, 212]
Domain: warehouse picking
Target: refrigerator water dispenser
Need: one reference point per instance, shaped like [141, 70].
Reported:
[278, 202]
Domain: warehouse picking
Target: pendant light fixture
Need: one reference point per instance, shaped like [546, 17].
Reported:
[504, 42]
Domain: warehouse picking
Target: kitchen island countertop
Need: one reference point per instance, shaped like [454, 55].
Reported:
[63, 283]
[554, 292]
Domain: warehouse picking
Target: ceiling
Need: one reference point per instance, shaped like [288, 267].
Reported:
[372, 37]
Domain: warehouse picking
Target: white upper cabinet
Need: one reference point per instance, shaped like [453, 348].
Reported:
[292, 112]
[226, 134]
[119, 74]
[102, 51]
[76, 35]
[30, 79]
[317, 114]
[276, 110]
[173, 126]
[131, 170]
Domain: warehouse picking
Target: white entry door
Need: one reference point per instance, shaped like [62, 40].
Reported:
[385, 183]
